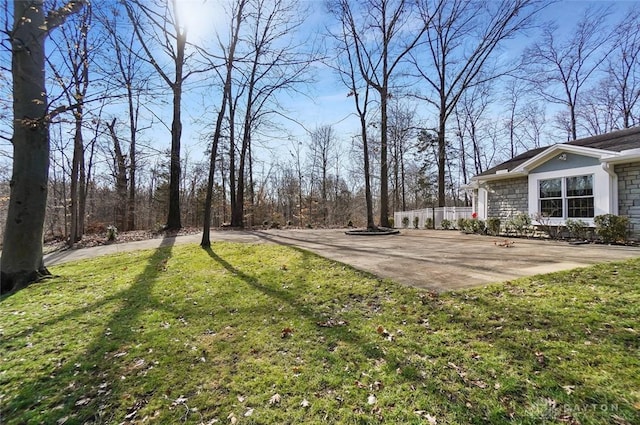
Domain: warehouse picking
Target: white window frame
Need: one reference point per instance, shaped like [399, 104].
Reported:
[603, 188]
[564, 197]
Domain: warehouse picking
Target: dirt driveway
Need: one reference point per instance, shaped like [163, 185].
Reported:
[431, 259]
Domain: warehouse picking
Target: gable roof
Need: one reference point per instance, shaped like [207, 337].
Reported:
[616, 141]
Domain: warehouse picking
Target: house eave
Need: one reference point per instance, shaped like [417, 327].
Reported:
[543, 156]
[631, 155]
[504, 175]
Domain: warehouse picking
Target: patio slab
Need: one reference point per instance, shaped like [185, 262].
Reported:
[447, 260]
[431, 259]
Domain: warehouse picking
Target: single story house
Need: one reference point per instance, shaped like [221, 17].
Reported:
[574, 180]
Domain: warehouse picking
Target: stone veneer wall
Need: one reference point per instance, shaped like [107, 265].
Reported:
[629, 195]
[507, 198]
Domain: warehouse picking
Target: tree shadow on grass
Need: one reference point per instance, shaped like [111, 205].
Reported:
[84, 387]
[366, 341]
[284, 296]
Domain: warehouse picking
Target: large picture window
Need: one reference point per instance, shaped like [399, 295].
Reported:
[569, 197]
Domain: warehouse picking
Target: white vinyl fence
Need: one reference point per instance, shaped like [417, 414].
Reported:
[437, 214]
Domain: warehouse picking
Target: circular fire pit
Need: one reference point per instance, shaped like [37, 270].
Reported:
[379, 231]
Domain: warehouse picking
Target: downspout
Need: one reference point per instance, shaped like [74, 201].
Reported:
[613, 187]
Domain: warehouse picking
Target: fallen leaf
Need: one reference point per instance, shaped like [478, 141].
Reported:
[232, 418]
[83, 401]
[131, 415]
[275, 399]
[422, 413]
[179, 400]
[241, 399]
[305, 403]
[62, 420]
[248, 413]
[568, 389]
[286, 332]
[332, 323]
[371, 399]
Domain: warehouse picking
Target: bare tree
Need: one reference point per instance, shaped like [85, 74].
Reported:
[351, 76]
[120, 175]
[381, 34]
[275, 62]
[22, 261]
[124, 67]
[158, 29]
[402, 129]
[323, 143]
[462, 38]
[298, 166]
[624, 67]
[561, 69]
[72, 74]
[598, 110]
[229, 54]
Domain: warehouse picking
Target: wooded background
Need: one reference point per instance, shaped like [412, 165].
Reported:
[443, 90]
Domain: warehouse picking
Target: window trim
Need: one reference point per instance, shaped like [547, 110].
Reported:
[564, 197]
[604, 192]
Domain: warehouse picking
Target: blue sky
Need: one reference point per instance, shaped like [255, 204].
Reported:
[326, 100]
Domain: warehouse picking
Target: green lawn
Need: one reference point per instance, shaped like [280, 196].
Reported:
[267, 334]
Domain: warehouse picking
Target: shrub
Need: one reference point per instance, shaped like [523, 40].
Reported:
[472, 225]
[545, 223]
[611, 228]
[477, 226]
[275, 225]
[112, 233]
[405, 222]
[416, 221]
[577, 228]
[521, 224]
[493, 226]
[428, 223]
[445, 224]
[460, 223]
[350, 224]
[392, 222]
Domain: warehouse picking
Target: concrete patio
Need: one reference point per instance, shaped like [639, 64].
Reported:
[431, 259]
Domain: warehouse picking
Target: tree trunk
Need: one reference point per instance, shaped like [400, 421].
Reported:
[173, 220]
[22, 248]
[442, 159]
[232, 157]
[78, 180]
[22, 262]
[120, 174]
[133, 126]
[237, 210]
[226, 96]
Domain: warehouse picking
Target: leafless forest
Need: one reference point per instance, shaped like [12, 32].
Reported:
[439, 91]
